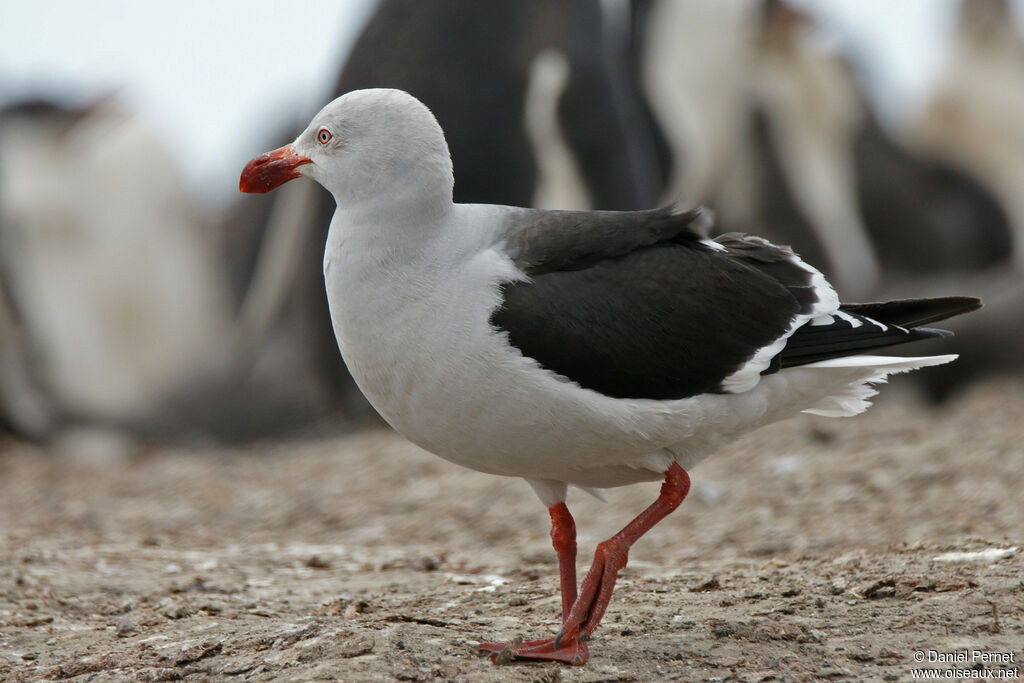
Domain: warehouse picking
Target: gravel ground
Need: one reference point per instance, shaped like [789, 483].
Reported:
[812, 550]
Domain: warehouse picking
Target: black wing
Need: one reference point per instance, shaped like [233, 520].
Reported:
[547, 241]
[642, 305]
[915, 312]
[857, 328]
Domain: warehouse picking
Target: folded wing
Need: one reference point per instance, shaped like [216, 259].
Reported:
[644, 305]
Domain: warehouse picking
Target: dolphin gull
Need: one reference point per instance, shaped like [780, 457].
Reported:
[595, 349]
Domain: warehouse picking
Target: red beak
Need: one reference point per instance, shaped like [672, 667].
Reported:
[271, 170]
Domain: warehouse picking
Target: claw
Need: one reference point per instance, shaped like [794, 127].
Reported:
[545, 650]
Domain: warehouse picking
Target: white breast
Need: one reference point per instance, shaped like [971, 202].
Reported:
[412, 325]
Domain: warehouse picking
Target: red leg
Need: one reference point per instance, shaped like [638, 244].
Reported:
[563, 538]
[589, 607]
[612, 555]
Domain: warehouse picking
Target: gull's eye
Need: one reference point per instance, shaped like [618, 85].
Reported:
[324, 136]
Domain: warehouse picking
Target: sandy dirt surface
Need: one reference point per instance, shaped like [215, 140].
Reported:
[813, 550]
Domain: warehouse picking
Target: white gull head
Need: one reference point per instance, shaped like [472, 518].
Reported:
[364, 147]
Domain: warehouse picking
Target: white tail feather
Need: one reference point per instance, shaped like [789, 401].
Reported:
[888, 363]
[854, 398]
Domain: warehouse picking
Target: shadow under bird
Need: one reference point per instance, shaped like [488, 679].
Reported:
[595, 349]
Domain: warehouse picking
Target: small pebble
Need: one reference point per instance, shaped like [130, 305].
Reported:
[126, 627]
